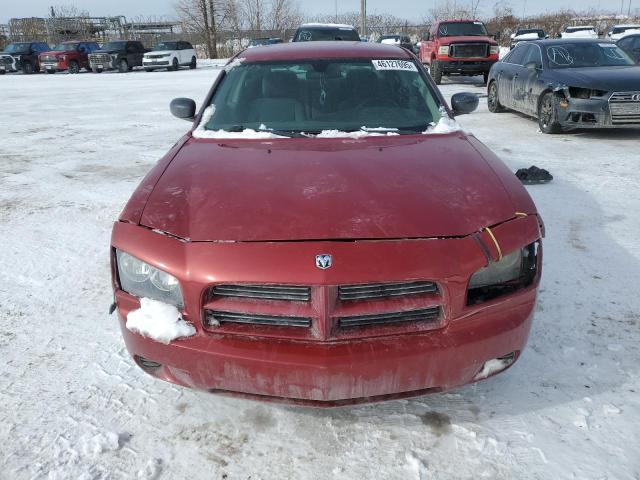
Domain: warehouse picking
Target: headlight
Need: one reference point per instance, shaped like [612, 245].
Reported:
[443, 51]
[143, 280]
[513, 272]
[494, 50]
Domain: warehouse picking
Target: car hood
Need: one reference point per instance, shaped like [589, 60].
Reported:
[618, 79]
[160, 52]
[53, 53]
[322, 189]
[467, 39]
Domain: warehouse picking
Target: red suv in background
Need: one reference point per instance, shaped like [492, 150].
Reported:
[459, 47]
[71, 56]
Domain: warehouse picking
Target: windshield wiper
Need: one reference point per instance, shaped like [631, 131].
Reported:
[282, 133]
[399, 130]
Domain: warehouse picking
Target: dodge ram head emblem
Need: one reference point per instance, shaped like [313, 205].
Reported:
[323, 261]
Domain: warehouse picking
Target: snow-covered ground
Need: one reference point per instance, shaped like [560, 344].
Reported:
[73, 405]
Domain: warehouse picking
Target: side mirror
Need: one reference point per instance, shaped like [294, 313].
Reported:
[464, 102]
[183, 108]
[532, 66]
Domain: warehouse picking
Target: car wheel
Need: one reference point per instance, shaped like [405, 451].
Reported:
[436, 72]
[74, 67]
[175, 65]
[2, 72]
[493, 102]
[123, 66]
[548, 114]
[27, 68]
[193, 64]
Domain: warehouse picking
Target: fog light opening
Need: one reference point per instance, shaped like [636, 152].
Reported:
[495, 365]
[147, 365]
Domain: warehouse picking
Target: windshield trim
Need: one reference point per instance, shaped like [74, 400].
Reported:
[446, 115]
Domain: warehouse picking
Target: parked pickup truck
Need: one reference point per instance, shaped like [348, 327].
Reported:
[121, 55]
[71, 56]
[22, 56]
[459, 47]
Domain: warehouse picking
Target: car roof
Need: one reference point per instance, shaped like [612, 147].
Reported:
[560, 41]
[322, 50]
[326, 25]
[459, 20]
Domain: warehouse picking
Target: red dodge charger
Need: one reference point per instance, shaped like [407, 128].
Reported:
[326, 234]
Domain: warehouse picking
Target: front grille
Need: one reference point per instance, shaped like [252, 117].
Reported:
[383, 290]
[625, 108]
[267, 292]
[216, 318]
[156, 56]
[469, 50]
[422, 315]
[100, 58]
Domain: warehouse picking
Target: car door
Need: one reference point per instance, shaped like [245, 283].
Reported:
[183, 53]
[507, 75]
[529, 78]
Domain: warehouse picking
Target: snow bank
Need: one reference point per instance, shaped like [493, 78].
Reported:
[446, 124]
[158, 321]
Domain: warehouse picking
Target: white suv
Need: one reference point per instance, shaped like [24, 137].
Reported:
[170, 55]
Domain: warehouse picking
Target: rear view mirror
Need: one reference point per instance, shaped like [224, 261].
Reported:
[464, 102]
[183, 108]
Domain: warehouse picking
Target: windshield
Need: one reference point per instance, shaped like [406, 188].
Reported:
[314, 96]
[66, 47]
[314, 34]
[577, 29]
[624, 29]
[115, 46]
[462, 29]
[18, 48]
[165, 46]
[581, 54]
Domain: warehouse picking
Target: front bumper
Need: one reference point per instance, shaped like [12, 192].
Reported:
[323, 368]
[465, 66]
[155, 63]
[594, 113]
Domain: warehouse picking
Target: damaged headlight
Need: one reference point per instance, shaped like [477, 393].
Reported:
[143, 280]
[513, 272]
[585, 93]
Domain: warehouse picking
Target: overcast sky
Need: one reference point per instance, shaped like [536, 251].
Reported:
[410, 9]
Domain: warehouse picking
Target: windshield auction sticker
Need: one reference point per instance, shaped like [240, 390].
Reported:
[394, 65]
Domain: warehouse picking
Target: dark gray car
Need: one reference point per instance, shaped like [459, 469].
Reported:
[631, 45]
[568, 83]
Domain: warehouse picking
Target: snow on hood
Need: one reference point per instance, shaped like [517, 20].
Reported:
[390, 41]
[445, 125]
[159, 321]
[527, 36]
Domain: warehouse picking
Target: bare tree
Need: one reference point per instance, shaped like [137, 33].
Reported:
[204, 18]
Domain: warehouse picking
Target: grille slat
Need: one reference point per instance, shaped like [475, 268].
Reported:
[426, 314]
[265, 292]
[624, 109]
[382, 290]
[215, 318]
